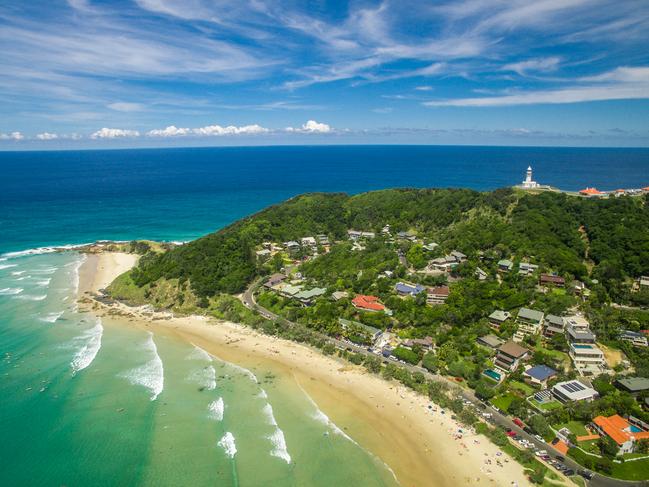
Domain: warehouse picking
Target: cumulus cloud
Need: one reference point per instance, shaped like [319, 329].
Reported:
[12, 136]
[311, 127]
[47, 136]
[106, 133]
[209, 130]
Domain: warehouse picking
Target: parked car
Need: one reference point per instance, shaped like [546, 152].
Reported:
[586, 474]
[569, 472]
[511, 434]
[518, 422]
[560, 458]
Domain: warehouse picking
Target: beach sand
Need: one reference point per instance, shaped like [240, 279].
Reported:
[423, 447]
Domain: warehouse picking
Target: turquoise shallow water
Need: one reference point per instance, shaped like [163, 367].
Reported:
[92, 402]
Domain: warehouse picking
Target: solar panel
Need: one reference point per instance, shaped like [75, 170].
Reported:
[579, 386]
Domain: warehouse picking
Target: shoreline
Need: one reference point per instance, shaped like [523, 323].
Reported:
[385, 418]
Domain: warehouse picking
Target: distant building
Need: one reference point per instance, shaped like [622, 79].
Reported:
[539, 374]
[407, 236]
[407, 289]
[358, 235]
[591, 192]
[529, 322]
[372, 333]
[573, 390]
[641, 283]
[527, 269]
[505, 265]
[633, 385]
[480, 274]
[437, 295]
[529, 183]
[490, 341]
[426, 343]
[547, 280]
[553, 325]
[263, 254]
[577, 322]
[307, 296]
[635, 338]
[579, 335]
[430, 246]
[292, 246]
[274, 280]
[510, 355]
[497, 318]
[588, 359]
[338, 295]
[367, 303]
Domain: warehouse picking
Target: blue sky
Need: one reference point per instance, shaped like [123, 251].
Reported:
[90, 73]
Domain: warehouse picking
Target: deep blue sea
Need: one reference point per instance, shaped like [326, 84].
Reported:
[70, 197]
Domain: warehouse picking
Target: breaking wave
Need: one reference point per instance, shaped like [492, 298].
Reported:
[52, 317]
[321, 417]
[206, 377]
[216, 409]
[7, 266]
[87, 353]
[41, 250]
[199, 354]
[228, 444]
[43, 282]
[10, 291]
[280, 449]
[18, 273]
[31, 297]
[151, 374]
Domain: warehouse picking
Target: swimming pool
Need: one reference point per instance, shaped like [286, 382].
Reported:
[492, 374]
[634, 429]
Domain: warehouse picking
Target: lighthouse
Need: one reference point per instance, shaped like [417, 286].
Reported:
[529, 183]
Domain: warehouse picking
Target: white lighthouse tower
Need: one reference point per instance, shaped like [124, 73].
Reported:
[529, 183]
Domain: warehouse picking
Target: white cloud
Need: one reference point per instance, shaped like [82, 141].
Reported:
[47, 136]
[533, 65]
[12, 136]
[210, 130]
[122, 106]
[625, 83]
[106, 133]
[424, 88]
[312, 127]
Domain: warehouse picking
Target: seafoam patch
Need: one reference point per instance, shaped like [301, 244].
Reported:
[151, 374]
[228, 444]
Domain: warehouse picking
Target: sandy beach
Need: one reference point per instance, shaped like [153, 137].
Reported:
[422, 446]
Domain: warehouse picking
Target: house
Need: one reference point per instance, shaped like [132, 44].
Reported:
[367, 303]
[437, 295]
[322, 239]
[430, 246]
[527, 269]
[579, 335]
[505, 265]
[539, 374]
[573, 390]
[426, 343]
[577, 322]
[633, 385]
[407, 236]
[309, 242]
[372, 333]
[274, 280]
[407, 289]
[529, 322]
[358, 235]
[490, 341]
[288, 290]
[641, 283]
[497, 318]
[338, 295]
[548, 280]
[581, 290]
[591, 192]
[459, 256]
[263, 254]
[292, 246]
[480, 274]
[510, 355]
[635, 338]
[587, 358]
[553, 325]
[444, 264]
[307, 296]
[625, 432]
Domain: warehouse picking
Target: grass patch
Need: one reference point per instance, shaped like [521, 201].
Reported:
[591, 446]
[638, 470]
[576, 427]
[521, 386]
[503, 402]
[546, 406]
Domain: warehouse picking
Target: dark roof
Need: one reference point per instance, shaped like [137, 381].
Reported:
[513, 349]
[634, 384]
[541, 372]
[552, 279]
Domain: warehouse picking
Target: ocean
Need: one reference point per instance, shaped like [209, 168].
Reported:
[89, 402]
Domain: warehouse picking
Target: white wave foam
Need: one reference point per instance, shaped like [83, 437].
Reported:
[7, 266]
[11, 291]
[246, 372]
[18, 273]
[199, 354]
[44, 270]
[76, 275]
[262, 394]
[279, 445]
[206, 377]
[31, 297]
[52, 317]
[321, 417]
[43, 282]
[268, 412]
[216, 409]
[228, 444]
[151, 374]
[2, 259]
[87, 353]
[42, 250]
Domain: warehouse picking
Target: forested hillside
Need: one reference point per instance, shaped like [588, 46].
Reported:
[575, 237]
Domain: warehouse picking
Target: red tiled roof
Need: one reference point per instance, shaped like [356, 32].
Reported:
[590, 191]
[368, 302]
[439, 290]
[615, 426]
